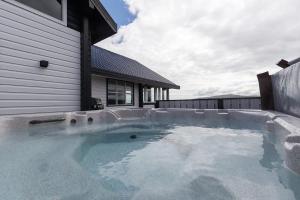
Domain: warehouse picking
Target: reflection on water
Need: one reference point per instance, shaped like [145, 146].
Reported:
[209, 188]
[271, 158]
[272, 161]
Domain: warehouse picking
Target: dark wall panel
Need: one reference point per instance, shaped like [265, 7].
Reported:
[74, 15]
[266, 91]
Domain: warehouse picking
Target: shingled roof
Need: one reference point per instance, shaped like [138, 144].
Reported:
[111, 64]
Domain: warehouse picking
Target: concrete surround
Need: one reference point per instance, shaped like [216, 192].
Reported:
[286, 90]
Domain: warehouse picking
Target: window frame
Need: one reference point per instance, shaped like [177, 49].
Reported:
[118, 105]
[64, 4]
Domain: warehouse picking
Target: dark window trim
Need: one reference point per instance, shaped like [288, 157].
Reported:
[108, 105]
[35, 11]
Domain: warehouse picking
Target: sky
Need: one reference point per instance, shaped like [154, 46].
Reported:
[119, 11]
[209, 48]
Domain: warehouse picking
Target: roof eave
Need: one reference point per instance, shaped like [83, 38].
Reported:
[105, 15]
[134, 79]
[103, 24]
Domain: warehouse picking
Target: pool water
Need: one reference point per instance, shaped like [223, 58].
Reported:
[163, 162]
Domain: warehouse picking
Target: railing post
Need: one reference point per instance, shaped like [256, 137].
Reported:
[220, 104]
[266, 91]
[156, 104]
[159, 93]
[168, 94]
[141, 96]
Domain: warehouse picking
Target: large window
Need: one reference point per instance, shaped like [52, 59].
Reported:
[50, 7]
[119, 93]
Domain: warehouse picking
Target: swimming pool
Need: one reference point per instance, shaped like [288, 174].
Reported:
[148, 154]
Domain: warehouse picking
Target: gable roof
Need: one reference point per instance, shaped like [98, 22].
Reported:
[111, 64]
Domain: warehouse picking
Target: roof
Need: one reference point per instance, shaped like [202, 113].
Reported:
[111, 64]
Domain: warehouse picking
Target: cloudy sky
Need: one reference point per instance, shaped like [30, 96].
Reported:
[210, 47]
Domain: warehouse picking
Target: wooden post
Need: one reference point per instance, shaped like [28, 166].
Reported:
[266, 91]
[145, 94]
[149, 94]
[86, 91]
[141, 96]
[220, 104]
[159, 94]
[168, 94]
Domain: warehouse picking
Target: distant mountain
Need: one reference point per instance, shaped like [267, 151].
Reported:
[224, 96]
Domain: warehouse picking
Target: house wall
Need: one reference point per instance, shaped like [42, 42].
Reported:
[99, 88]
[286, 90]
[27, 37]
[99, 91]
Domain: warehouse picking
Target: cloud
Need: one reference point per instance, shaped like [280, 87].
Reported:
[210, 47]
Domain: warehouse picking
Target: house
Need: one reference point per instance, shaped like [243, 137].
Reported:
[48, 62]
[121, 81]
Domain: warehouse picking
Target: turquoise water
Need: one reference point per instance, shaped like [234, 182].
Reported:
[164, 162]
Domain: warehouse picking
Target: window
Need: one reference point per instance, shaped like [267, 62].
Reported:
[49, 7]
[119, 93]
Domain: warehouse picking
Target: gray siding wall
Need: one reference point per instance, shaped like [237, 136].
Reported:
[286, 90]
[99, 91]
[99, 88]
[25, 39]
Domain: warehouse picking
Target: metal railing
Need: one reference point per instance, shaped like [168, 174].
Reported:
[213, 103]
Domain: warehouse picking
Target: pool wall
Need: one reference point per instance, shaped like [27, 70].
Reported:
[284, 128]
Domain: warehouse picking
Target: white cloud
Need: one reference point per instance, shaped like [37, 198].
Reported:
[210, 47]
